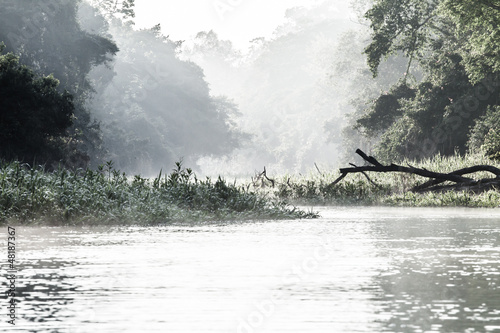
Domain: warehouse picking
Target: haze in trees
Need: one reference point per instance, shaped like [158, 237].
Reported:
[155, 108]
[401, 79]
[282, 90]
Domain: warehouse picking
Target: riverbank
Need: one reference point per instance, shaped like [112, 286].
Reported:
[107, 196]
[387, 189]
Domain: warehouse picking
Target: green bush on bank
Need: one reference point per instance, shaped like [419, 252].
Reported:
[107, 196]
[391, 189]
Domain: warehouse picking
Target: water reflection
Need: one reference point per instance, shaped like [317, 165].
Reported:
[445, 276]
[371, 270]
[44, 294]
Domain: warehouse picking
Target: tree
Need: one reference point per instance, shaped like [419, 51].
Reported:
[154, 107]
[452, 43]
[34, 115]
[485, 134]
[399, 26]
[47, 37]
[480, 22]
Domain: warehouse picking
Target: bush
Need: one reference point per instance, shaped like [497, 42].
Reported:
[104, 196]
[34, 116]
[485, 135]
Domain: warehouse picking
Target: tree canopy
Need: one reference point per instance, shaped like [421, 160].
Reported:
[47, 37]
[34, 115]
[155, 108]
[456, 45]
[139, 105]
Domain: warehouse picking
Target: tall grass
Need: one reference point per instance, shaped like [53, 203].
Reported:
[389, 189]
[107, 196]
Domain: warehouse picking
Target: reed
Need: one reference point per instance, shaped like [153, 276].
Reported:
[390, 189]
[108, 196]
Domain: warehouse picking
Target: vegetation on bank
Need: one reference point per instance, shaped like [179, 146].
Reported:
[107, 196]
[447, 97]
[391, 189]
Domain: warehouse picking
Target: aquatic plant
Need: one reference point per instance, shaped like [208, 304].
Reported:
[385, 188]
[108, 196]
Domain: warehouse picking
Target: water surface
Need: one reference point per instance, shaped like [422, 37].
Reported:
[352, 270]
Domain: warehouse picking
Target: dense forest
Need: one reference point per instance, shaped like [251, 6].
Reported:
[81, 85]
[454, 106]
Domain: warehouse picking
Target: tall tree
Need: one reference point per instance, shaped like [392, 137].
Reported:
[452, 43]
[34, 115]
[399, 26]
[47, 36]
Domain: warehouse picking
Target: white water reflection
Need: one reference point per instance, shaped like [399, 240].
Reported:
[353, 270]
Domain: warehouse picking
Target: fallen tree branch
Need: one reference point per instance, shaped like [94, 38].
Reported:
[461, 183]
[366, 176]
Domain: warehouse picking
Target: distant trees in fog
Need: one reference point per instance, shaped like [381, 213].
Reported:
[413, 79]
[135, 101]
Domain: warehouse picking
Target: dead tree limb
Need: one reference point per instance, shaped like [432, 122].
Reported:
[436, 178]
[262, 177]
[366, 176]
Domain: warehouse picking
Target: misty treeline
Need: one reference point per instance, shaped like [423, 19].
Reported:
[81, 86]
[402, 79]
[398, 78]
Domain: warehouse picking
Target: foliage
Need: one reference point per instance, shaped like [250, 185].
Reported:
[385, 110]
[34, 115]
[108, 196]
[155, 108]
[391, 189]
[486, 133]
[47, 37]
[398, 26]
[356, 92]
[480, 22]
[281, 89]
[458, 52]
[124, 9]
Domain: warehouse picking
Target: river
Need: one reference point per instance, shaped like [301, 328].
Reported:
[352, 270]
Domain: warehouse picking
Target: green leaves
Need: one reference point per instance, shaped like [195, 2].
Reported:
[34, 115]
[398, 26]
[485, 135]
[107, 196]
[48, 37]
[410, 26]
[457, 45]
[480, 22]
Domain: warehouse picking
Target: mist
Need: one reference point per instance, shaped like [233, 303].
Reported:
[282, 88]
[304, 97]
[146, 101]
[154, 108]
[282, 103]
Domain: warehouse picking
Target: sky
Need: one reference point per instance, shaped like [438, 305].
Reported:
[237, 20]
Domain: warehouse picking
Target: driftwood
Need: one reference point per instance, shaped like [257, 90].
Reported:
[260, 179]
[459, 182]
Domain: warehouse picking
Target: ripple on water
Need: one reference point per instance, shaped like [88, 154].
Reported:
[354, 270]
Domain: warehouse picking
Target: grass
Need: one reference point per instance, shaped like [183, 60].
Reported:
[107, 196]
[391, 189]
